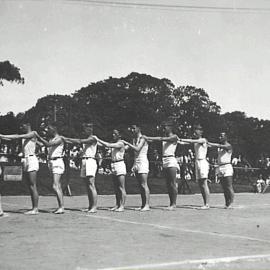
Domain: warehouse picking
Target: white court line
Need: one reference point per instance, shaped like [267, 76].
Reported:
[223, 235]
[201, 262]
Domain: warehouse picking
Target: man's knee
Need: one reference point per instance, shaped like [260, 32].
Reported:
[202, 182]
[173, 185]
[122, 190]
[56, 186]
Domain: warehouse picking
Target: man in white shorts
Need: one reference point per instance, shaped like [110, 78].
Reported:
[55, 163]
[170, 164]
[30, 161]
[141, 164]
[89, 164]
[225, 169]
[118, 168]
[201, 163]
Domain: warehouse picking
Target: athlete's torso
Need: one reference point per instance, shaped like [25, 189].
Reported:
[168, 148]
[89, 150]
[56, 150]
[200, 150]
[224, 156]
[29, 146]
[118, 154]
[142, 154]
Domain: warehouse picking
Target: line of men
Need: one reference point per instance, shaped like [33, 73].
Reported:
[140, 167]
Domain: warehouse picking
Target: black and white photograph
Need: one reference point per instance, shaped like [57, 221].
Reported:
[134, 134]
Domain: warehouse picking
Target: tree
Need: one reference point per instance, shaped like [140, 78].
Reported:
[10, 72]
[119, 102]
[193, 105]
[61, 109]
[249, 135]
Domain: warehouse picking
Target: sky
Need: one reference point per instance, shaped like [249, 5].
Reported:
[61, 46]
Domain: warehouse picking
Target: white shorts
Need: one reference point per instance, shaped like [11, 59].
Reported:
[201, 168]
[169, 162]
[89, 167]
[30, 164]
[225, 170]
[56, 166]
[118, 168]
[141, 166]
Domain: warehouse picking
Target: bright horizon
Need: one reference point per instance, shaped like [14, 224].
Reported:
[61, 46]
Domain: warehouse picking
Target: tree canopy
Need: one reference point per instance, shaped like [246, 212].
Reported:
[10, 73]
[145, 100]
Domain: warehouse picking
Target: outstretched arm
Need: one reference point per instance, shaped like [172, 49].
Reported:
[138, 147]
[90, 140]
[30, 135]
[182, 143]
[48, 144]
[222, 146]
[172, 138]
[118, 144]
[201, 140]
[2, 137]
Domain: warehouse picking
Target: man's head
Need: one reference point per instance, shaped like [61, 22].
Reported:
[52, 129]
[88, 128]
[116, 135]
[223, 137]
[198, 131]
[135, 129]
[25, 127]
[167, 126]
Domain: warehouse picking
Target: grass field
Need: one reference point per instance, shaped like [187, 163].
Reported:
[187, 238]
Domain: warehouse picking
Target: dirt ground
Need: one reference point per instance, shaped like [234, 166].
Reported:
[187, 238]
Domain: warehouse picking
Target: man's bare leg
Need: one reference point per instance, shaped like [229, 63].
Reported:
[59, 193]
[172, 187]
[32, 182]
[145, 193]
[228, 191]
[122, 191]
[92, 194]
[205, 192]
[116, 191]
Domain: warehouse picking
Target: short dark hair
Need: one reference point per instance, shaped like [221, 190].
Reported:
[88, 125]
[26, 123]
[53, 125]
[225, 134]
[118, 132]
[135, 125]
[198, 126]
[167, 123]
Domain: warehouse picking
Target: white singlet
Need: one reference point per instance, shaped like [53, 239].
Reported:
[118, 165]
[30, 161]
[56, 166]
[89, 150]
[89, 164]
[29, 147]
[224, 156]
[200, 150]
[118, 154]
[141, 163]
[56, 150]
[225, 168]
[201, 164]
